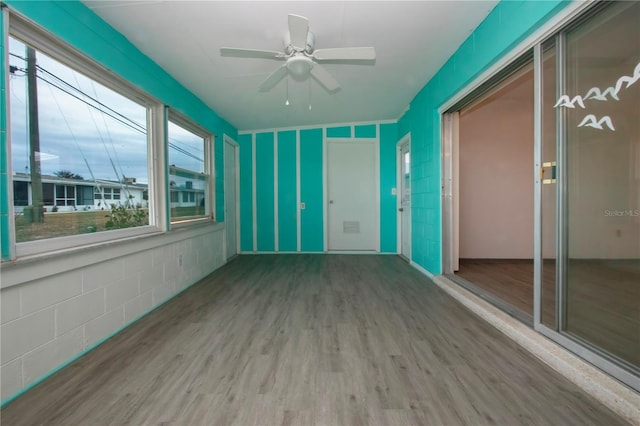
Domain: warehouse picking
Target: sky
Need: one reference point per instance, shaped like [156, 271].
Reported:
[79, 134]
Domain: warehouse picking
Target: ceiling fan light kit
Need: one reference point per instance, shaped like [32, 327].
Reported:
[301, 58]
[299, 67]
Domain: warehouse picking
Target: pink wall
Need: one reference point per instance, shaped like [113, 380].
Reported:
[496, 169]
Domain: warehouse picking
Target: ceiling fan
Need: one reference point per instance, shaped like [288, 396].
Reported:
[301, 58]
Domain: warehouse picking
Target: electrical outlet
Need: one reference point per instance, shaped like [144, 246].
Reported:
[301, 206]
[394, 191]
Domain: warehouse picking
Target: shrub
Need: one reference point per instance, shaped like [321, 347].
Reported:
[123, 217]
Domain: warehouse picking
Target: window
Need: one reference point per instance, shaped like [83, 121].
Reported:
[189, 171]
[84, 196]
[47, 193]
[78, 144]
[65, 195]
[102, 193]
[20, 193]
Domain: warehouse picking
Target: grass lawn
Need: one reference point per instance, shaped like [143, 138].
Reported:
[61, 224]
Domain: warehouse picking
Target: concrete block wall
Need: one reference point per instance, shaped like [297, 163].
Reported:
[48, 321]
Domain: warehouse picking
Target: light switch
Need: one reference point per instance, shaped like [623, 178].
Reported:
[393, 191]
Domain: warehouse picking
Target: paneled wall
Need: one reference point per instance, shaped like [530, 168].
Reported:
[282, 169]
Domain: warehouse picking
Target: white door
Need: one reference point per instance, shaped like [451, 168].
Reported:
[351, 193]
[404, 208]
[230, 197]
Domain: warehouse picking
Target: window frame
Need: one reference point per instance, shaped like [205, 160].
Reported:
[208, 137]
[25, 31]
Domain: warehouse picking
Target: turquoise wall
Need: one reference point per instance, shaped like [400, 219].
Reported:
[284, 161]
[388, 203]
[287, 206]
[264, 191]
[311, 218]
[245, 157]
[77, 25]
[507, 25]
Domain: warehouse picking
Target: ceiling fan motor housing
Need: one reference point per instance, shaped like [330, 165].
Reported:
[290, 49]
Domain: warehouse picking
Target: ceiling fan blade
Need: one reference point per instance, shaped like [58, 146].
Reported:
[345, 53]
[324, 78]
[298, 30]
[250, 53]
[273, 79]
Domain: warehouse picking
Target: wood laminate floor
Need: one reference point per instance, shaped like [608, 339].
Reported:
[511, 281]
[309, 339]
[603, 297]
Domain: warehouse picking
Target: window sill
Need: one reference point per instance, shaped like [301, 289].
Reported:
[29, 268]
[182, 222]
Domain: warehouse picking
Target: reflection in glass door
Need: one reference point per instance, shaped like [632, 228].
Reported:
[589, 280]
[602, 204]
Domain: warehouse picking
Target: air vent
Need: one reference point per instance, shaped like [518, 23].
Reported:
[351, 227]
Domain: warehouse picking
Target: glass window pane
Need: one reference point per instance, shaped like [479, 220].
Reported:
[47, 193]
[186, 149]
[187, 172]
[85, 133]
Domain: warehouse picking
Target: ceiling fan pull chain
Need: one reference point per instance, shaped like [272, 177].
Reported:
[287, 101]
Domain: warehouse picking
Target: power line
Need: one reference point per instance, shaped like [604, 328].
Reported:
[90, 97]
[106, 126]
[124, 120]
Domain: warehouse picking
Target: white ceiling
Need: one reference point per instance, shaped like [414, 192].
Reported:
[412, 41]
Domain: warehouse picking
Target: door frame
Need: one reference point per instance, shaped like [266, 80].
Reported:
[325, 189]
[405, 140]
[450, 142]
[229, 143]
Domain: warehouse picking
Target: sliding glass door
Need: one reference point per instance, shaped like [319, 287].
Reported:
[579, 104]
[603, 182]
[588, 263]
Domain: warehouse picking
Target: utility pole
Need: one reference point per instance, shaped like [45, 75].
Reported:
[34, 138]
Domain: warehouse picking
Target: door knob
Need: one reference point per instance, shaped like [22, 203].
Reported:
[330, 201]
[400, 209]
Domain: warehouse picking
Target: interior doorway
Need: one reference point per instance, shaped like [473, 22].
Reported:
[494, 194]
[404, 197]
[351, 192]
